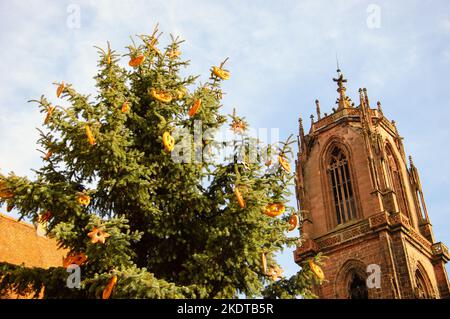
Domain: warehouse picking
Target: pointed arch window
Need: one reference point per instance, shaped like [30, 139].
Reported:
[341, 185]
[358, 288]
[395, 179]
[421, 287]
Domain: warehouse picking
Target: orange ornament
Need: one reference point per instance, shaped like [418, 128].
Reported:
[195, 107]
[50, 110]
[90, 136]
[239, 197]
[74, 259]
[135, 62]
[48, 155]
[125, 107]
[284, 164]
[221, 73]
[316, 270]
[293, 222]
[60, 89]
[168, 142]
[98, 236]
[274, 209]
[45, 217]
[109, 288]
[161, 96]
[83, 199]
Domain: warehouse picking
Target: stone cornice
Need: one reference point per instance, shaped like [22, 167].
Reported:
[383, 221]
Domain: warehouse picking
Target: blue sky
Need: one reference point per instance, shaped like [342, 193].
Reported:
[282, 57]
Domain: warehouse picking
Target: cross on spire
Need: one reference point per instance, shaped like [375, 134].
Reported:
[343, 101]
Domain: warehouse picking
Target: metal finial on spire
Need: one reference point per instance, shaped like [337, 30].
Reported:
[318, 109]
[337, 64]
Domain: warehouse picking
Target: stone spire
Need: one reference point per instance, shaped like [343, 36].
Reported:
[318, 109]
[301, 133]
[343, 101]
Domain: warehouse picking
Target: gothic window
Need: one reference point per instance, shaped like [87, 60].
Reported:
[358, 288]
[421, 288]
[395, 180]
[341, 185]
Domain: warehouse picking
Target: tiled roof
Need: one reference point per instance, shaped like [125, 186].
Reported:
[19, 244]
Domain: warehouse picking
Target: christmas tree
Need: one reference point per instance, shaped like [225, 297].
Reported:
[138, 221]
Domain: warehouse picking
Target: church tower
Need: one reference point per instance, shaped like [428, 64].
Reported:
[361, 205]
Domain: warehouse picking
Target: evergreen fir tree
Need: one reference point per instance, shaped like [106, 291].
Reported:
[138, 223]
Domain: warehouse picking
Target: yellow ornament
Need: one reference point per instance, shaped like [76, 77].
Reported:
[274, 209]
[168, 142]
[284, 164]
[90, 136]
[316, 270]
[83, 199]
[50, 110]
[60, 89]
[239, 197]
[161, 96]
[221, 73]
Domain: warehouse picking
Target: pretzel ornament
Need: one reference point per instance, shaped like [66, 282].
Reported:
[316, 270]
[161, 96]
[168, 142]
[284, 163]
[293, 222]
[83, 199]
[274, 209]
[221, 73]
